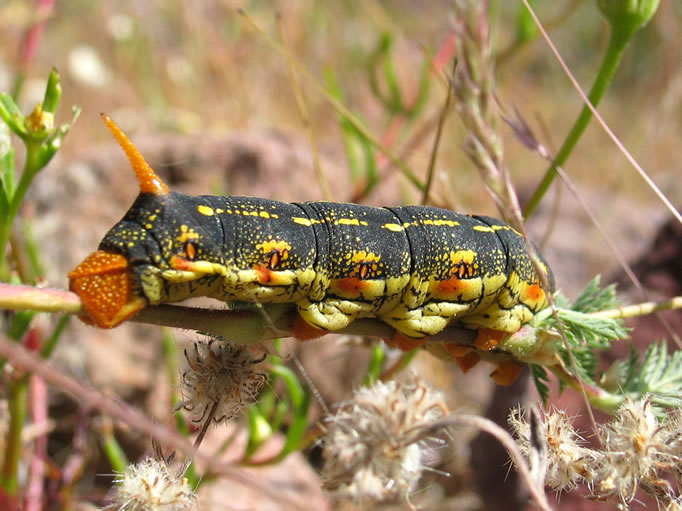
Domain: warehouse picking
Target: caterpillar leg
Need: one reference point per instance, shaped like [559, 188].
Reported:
[422, 321]
[403, 342]
[464, 356]
[332, 314]
[506, 372]
[488, 338]
[304, 331]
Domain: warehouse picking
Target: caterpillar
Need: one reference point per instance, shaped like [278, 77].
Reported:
[416, 268]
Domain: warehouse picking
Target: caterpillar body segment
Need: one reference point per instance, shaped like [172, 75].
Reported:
[415, 267]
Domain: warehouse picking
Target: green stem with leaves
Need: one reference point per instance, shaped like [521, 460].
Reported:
[31, 167]
[614, 53]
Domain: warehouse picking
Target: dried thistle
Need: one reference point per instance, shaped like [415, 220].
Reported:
[634, 450]
[219, 375]
[568, 462]
[150, 485]
[375, 444]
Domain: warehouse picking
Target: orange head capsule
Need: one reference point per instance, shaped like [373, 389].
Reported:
[103, 283]
[104, 279]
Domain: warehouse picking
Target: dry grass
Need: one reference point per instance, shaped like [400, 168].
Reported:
[195, 68]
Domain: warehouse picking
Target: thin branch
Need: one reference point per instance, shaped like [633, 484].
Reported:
[502, 436]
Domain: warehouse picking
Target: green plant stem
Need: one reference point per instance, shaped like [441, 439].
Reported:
[31, 168]
[598, 397]
[614, 53]
[17, 393]
[170, 356]
[112, 449]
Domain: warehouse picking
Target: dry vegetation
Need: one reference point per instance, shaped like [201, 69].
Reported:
[212, 106]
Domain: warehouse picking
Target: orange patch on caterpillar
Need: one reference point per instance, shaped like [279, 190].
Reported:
[453, 285]
[404, 343]
[535, 293]
[352, 285]
[488, 338]
[467, 361]
[456, 350]
[180, 263]
[304, 331]
[265, 274]
[506, 372]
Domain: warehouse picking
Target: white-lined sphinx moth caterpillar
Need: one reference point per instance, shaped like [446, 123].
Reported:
[414, 267]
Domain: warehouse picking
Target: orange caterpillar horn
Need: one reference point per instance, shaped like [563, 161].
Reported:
[149, 181]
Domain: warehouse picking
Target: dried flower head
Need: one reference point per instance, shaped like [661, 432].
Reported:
[634, 448]
[376, 442]
[568, 462]
[151, 486]
[223, 373]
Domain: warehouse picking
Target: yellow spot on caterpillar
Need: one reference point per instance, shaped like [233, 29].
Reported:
[500, 227]
[449, 223]
[219, 211]
[362, 256]
[148, 226]
[131, 244]
[186, 234]
[483, 228]
[348, 221]
[462, 256]
[151, 218]
[205, 210]
[362, 222]
[228, 211]
[393, 227]
[254, 213]
[265, 214]
[275, 216]
[302, 221]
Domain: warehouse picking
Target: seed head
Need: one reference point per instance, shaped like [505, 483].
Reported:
[150, 486]
[634, 448]
[376, 442]
[568, 462]
[223, 373]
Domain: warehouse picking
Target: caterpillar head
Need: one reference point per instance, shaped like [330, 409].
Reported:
[105, 280]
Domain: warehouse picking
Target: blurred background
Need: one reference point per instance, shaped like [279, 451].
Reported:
[212, 107]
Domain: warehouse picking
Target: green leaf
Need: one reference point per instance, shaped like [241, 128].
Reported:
[375, 365]
[12, 116]
[526, 29]
[659, 376]
[7, 170]
[593, 298]
[54, 141]
[356, 144]
[541, 379]
[53, 92]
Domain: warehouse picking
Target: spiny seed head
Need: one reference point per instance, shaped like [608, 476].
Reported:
[150, 486]
[568, 461]
[223, 373]
[634, 446]
[376, 442]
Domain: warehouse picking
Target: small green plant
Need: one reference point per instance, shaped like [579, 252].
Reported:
[375, 443]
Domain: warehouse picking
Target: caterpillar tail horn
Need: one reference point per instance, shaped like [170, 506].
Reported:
[149, 181]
